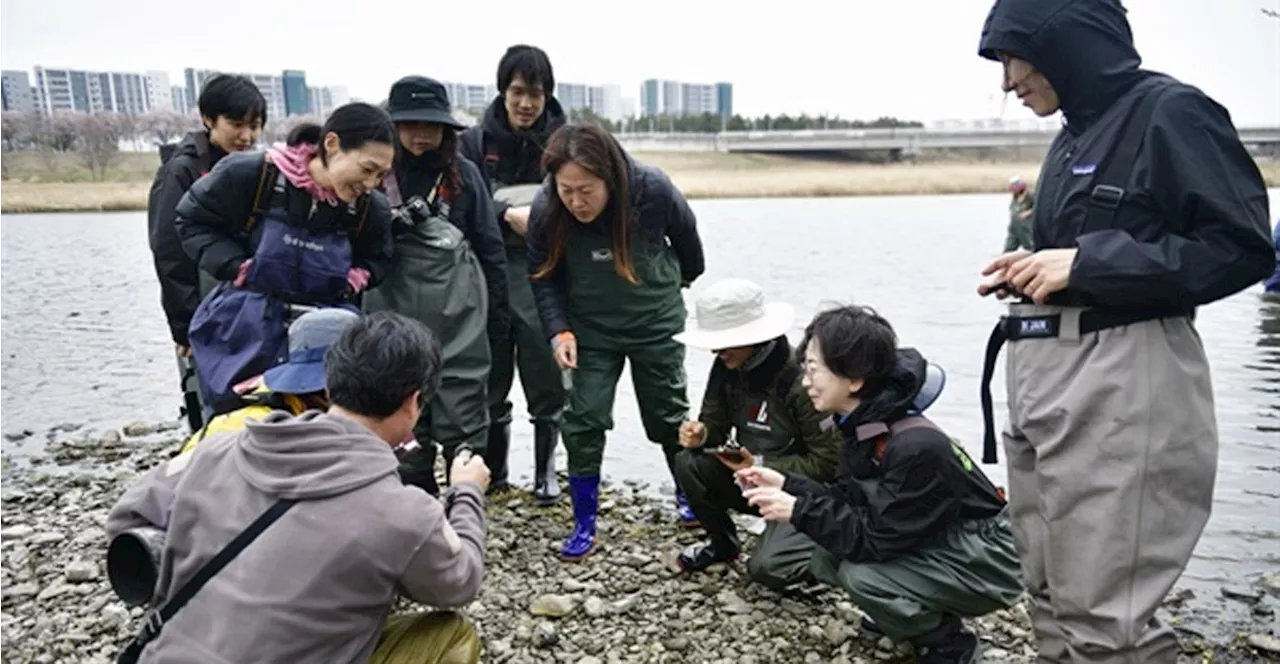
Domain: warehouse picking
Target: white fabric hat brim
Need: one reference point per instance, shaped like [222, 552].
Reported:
[777, 321]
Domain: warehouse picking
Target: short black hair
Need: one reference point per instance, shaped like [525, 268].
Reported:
[856, 344]
[234, 97]
[379, 361]
[531, 63]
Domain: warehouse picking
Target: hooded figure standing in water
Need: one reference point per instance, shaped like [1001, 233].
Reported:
[1148, 206]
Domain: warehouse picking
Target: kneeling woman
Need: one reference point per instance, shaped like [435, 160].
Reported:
[449, 271]
[299, 225]
[611, 243]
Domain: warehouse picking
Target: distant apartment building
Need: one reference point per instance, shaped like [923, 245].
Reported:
[297, 97]
[604, 101]
[159, 92]
[178, 95]
[79, 91]
[271, 87]
[469, 96]
[325, 99]
[676, 98]
[16, 91]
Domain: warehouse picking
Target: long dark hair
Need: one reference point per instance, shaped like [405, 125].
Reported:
[592, 148]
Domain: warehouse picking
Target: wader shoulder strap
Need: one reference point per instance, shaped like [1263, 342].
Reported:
[156, 618]
[883, 432]
[491, 156]
[1108, 185]
[268, 174]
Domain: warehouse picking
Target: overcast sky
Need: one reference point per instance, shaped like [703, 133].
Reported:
[859, 58]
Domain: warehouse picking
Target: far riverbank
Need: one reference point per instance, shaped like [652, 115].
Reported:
[36, 186]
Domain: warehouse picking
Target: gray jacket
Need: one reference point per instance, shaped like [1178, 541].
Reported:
[317, 585]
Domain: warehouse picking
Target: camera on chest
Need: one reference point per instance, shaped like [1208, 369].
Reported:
[410, 214]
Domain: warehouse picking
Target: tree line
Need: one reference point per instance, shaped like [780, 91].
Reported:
[711, 123]
[98, 138]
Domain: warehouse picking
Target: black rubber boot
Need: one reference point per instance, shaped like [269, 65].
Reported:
[421, 469]
[722, 548]
[948, 643]
[546, 486]
[495, 457]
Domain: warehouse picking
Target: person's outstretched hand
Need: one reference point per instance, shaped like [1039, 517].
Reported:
[468, 467]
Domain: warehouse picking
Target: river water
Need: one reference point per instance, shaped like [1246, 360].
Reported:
[84, 339]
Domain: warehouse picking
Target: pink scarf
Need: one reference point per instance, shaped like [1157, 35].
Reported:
[292, 161]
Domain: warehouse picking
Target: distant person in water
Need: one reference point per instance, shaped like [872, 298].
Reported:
[1273, 283]
[232, 112]
[300, 225]
[1021, 209]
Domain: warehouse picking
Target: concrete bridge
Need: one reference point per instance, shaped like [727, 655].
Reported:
[905, 141]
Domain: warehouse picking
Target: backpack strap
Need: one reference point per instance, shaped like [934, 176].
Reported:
[157, 618]
[1108, 185]
[364, 214]
[255, 215]
[883, 432]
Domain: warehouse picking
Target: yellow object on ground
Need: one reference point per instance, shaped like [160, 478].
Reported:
[434, 637]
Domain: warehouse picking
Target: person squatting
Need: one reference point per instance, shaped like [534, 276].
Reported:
[354, 304]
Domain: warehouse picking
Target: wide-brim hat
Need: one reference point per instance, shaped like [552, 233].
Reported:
[309, 339]
[421, 99]
[734, 314]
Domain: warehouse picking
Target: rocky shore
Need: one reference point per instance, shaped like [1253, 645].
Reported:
[626, 603]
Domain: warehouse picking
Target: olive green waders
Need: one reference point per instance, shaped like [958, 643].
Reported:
[527, 350]
[969, 570]
[781, 557]
[614, 322]
[436, 278]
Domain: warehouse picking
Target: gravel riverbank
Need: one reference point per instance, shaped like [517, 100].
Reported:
[624, 604]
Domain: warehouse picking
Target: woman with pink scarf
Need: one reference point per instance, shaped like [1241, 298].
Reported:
[299, 225]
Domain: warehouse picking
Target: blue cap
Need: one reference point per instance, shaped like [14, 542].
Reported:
[935, 378]
[309, 338]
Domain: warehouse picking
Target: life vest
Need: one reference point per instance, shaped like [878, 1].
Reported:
[256, 405]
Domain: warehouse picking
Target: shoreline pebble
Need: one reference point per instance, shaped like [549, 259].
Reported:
[625, 603]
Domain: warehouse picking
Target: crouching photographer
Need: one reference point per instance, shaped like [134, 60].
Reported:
[754, 393]
[290, 540]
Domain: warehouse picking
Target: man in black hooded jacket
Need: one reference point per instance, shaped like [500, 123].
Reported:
[911, 527]
[233, 112]
[507, 145]
[1148, 206]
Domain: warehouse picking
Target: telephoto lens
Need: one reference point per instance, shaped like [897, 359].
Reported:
[133, 564]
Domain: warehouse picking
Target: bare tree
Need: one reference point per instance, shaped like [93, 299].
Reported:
[99, 144]
[164, 127]
[61, 131]
[278, 130]
[12, 124]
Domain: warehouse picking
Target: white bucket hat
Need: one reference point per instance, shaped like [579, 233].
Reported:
[732, 314]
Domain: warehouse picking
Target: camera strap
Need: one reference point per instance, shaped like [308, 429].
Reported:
[156, 618]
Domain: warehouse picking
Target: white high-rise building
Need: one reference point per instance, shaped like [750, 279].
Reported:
[159, 91]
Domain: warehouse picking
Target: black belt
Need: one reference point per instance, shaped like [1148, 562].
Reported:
[1013, 328]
